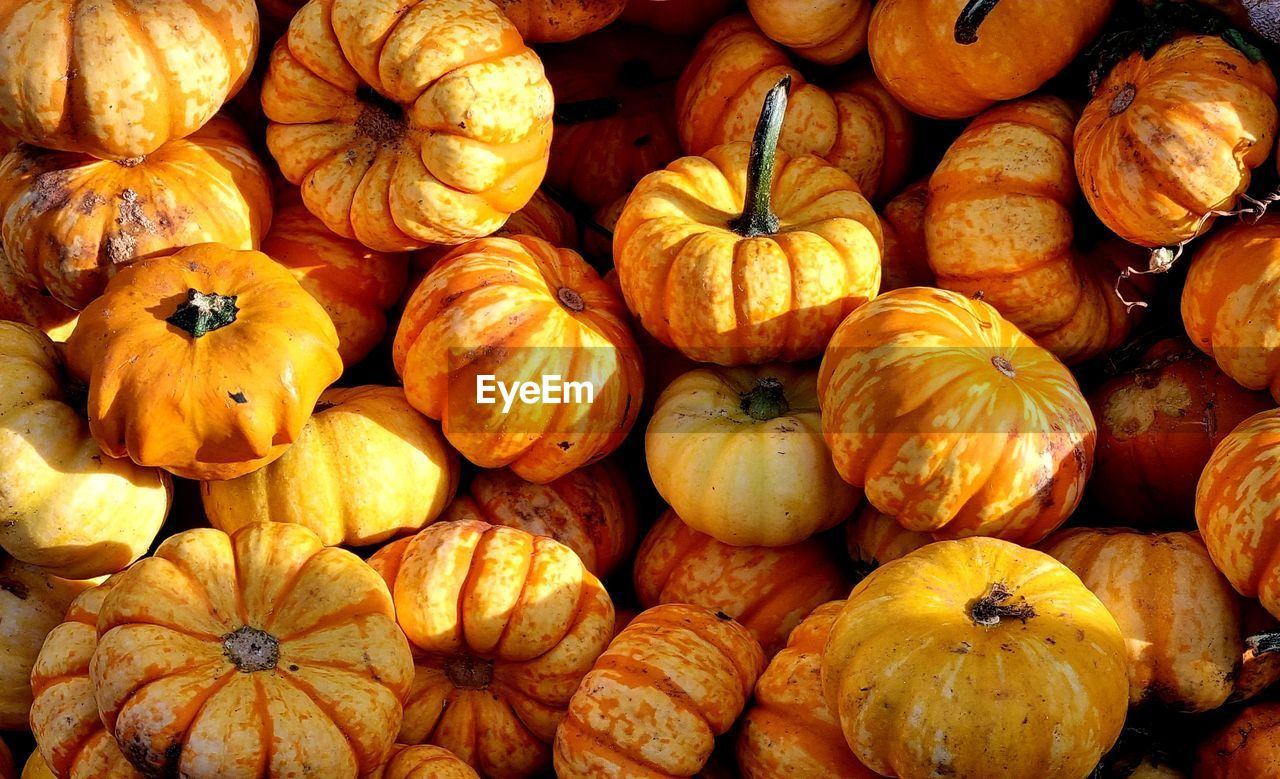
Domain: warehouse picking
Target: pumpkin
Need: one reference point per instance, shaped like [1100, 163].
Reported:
[32, 602]
[71, 221]
[767, 590]
[684, 17]
[906, 251]
[36, 768]
[1179, 616]
[70, 736]
[423, 762]
[621, 723]
[615, 112]
[205, 363]
[591, 510]
[115, 79]
[1154, 158]
[19, 303]
[542, 217]
[964, 621]
[356, 286]
[425, 122]
[1157, 426]
[873, 538]
[922, 381]
[789, 730]
[64, 505]
[366, 467]
[504, 624]
[709, 267]
[738, 453]
[955, 58]
[1231, 302]
[520, 310]
[828, 32]
[260, 653]
[548, 21]
[1244, 747]
[1009, 175]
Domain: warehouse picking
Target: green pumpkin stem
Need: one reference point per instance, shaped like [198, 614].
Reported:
[767, 400]
[1264, 643]
[757, 214]
[994, 606]
[971, 17]
[204, 312]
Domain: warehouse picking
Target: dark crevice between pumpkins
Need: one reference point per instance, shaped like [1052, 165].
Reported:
[970, 20]
[767, 400]
[635, 73]
[468, 672]
[203, 312]
[757, 216]
[996, 605]
[250, 649]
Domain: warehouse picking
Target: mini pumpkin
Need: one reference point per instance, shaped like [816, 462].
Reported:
[738, 453]
[548, 21]
[20, 303]
[686, 17]
[408, 125]
[1244, 747]
[423, 762]
[542, 217]
[906, 250]
[922, 381]
[828, 32]
[873, 538]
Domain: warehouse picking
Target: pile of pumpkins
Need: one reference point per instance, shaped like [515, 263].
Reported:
[932, 360]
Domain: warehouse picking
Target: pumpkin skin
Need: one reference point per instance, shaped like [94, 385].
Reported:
[985, 615]
[36, 768]
[591, 510]
[906, 250]
[423, 762]
[408, 125]
[738, 453]
[620, 723]
[542, 218]
[287, 644]
[682, 18]
[1153, 159]
[922, 370]
[504, 624]
[873, 538]
[548, 21]
[19, 303]
[768, 590]
[953, 59]
[827, 32]
[366, 467]
[119, 80]
[1157, 426]
[520, 309]
[63, 504]
[1245, 747]
[1178, 615]
[215, 405]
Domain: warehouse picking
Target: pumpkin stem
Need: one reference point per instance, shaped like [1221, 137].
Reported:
[583, 111]
[250, 649]
[1004, 366]
[1264, 643]
[757, 215]
[971, 17]
[767, 400]
[571, 299]
[992, 607]
[204, 312]
[468, 672]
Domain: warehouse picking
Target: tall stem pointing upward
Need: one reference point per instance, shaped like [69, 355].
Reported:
[757, 215]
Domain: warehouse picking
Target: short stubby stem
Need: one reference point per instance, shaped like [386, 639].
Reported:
[204, 312]
[767, 400]
[468, 672]
[995, 605]
[250, 649]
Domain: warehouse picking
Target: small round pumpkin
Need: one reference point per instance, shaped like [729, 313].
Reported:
[874, 538]
[116, 79]
[906, 250]
[410, 124]
[550, 21]
[504, 625]
[205, 363]
[767, 590]
[738, 453]
[1154, 158]
[423, 761]
[681, 18]
[20, 303]
[520, 310]
[1247, 746]
[1009, 436]
[827, 32]
[366, 467]
[620, 723]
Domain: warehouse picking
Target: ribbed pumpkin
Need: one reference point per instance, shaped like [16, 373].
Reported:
[789, 730]
[767, 590]
[71, 221]
[874, 538]
[952, 420]
[1247, 746]
[591, 510]
[1154, 157]
[262, 653]
[828, 32]
[620, 723]
[366, 467]
[20, 303]
[550, 21]
[117, 79]
[906, 249]
[504, 625]
[519, 310]
[953, 58]
[410, 124]
[423, 762]
[685, 17]
[64, 505]
[542, 217]
[205, 363]
[709, 268]
[738, 453]
[996, 661]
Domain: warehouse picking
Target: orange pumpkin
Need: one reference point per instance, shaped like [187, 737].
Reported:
[519, 310]
[71, 220]
[542, 217]
[262, 653]
[115, 79]
[1247, 746]
[922, 370]
[828, 32]
[874, 539]
[906, 251]
[768, 590]
[591, 510]
[205, 363]
[621, 723]
[423, 762]
[955, 58]
[709, 268]
[683, 17]
[1154, 158]
[20, 303]
[549, 21]
[504, 624]
[407, 125]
